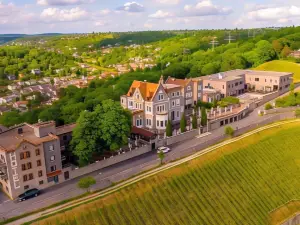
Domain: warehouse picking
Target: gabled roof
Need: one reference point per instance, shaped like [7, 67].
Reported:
[181, 82]
[146, 89]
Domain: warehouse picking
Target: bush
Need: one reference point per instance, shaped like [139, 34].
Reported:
[268, 106]
[194, 122]
[183, 124]
[203, 117]
[86, 183]
[229, 131]
[297, 113]
[169, 129]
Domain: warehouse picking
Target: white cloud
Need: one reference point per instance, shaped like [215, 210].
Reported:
[161, 14]
[148, 25]
[177, 20]
[101, 23]
[7, 9]
[274, 13]
[205, 8]
[59, 15]
[132, 7]
[168, 2]
[63, 2]
[105, 11]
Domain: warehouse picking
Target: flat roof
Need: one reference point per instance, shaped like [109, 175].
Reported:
[237, 74]
[10, 139]
[65, 129]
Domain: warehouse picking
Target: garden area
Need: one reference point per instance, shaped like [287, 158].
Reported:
[240, 183]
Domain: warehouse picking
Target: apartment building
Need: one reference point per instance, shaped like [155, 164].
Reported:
[152, 105]
[236, 82]
[187, 90]
[30, 157]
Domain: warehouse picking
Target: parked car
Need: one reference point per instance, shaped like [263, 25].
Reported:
[163, 149]
[29, 194]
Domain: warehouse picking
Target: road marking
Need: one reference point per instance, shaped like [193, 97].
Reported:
[203, 135]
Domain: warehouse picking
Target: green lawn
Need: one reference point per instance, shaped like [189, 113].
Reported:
[237, 184]
[282, 66]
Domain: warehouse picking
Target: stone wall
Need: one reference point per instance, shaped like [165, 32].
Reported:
[109, 162]
[182, 137]
[281, 110]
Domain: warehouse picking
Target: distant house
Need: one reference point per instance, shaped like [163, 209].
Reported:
[20, 105]
[30, 82]
[295, 54]
[11, 77]
[84, 66]
[8, 99]
[3, 109]
[12, 87]
[36, 71]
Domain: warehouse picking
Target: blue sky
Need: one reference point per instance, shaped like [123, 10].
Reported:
[67, 16]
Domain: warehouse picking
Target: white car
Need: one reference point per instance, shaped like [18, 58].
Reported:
[163, 149]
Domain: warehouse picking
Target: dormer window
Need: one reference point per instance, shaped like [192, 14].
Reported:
[189, 88]
[138, 96]
[160, 97]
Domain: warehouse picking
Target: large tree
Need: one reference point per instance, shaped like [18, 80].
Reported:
[106, 128]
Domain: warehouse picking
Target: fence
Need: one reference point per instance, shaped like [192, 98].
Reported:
[281, 110]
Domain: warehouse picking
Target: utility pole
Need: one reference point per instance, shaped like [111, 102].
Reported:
[214, 43]
[229, 38]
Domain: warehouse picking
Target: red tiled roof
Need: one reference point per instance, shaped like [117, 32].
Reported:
[143, 132]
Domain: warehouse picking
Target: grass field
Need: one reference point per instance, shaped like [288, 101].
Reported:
[282, 66]
[237, 184]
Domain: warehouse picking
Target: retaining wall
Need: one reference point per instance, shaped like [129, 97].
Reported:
[109, 162]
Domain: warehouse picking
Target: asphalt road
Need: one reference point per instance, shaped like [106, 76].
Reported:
[116, 173]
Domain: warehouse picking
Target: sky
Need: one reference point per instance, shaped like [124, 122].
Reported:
[82, 16]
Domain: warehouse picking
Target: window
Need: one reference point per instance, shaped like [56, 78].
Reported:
[256, 79]
[223, 86]
[189, 88]
[138, 96]
[161, 123]
[40, 173]
[23, 167]
[149, 109]
[265, 80]
[177, 101]
[51, 148]
[130, 103]
[65, 137]
[37, 151]
[237, 83]
[199, 87]
[271, 81]
[173, 94]
[25, 178]
[29, 166]
[160, 97]
[27, 154]
[177, 114]
[178, 93]
[41, 182]
[241, 82]
[30, 177]
[22, 155]
[39, 163]
[26, 187]
[52, 158]
[122, 100]
[53, 168]
[166, 122]
[157, 123]
[173, 103]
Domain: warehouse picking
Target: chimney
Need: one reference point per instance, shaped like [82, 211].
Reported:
[161, 80]
[20, 130]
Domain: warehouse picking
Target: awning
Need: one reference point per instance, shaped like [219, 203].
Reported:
[143, 132]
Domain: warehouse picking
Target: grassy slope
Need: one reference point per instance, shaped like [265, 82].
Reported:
[282, 66]
[237, 184]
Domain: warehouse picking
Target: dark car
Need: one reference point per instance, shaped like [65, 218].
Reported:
[29, 194]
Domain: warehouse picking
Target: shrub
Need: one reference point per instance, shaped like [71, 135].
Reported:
[297, 113]
[203, 117]
[86, 183]
[183, 124]
[194, 122]
[228, 101]
[169, 129]
[229, 131]
[268, 106]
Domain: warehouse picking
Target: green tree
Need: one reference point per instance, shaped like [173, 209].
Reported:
[229, 131]
[286, 51]
[106, 128]
[203, 117]
[183, 123]
[194, 122]
[169, 129]
[268, 106]
[161, 155]
[86, 183]
[277, 47]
